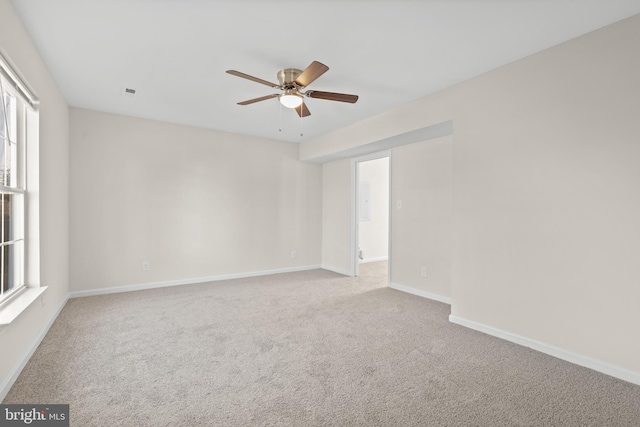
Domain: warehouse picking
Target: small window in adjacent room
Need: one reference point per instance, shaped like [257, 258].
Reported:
[16, 104]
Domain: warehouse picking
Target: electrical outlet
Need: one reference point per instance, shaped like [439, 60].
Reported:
[294, 254]
[423, 272]
[44, 301]
[145, 266]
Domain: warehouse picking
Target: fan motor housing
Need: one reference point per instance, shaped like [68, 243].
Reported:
[288, 76]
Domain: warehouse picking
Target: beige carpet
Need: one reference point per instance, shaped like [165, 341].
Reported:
[302, 349]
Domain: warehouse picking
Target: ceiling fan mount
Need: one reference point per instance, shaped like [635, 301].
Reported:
[288, 76]
[291, 82]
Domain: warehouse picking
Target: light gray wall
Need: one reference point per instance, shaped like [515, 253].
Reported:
[19, 338]
[194, 203]
[546, 191]
[336, 216]
[546, 198]
[422, 228]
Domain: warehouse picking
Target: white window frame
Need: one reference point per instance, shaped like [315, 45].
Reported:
[19, 190]
[28, 288]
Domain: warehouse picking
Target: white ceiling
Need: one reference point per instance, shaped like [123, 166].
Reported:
[175, 52]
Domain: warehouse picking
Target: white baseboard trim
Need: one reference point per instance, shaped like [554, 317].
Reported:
[587, 362]
[153, 285]
[380, 258]
[420, 293]
[337, 270]
[8, 382]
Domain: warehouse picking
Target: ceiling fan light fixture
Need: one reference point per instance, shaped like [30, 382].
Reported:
[290, 101]
[291, 80]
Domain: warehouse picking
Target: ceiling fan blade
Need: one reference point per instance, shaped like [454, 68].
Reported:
[254, 79]
[312, 72]
[332, 96]
[262, 98]
[302, 110]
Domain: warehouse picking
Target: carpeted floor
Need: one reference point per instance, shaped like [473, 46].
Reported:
[302, 349]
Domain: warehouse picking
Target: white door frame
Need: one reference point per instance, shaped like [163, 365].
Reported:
[355, 197]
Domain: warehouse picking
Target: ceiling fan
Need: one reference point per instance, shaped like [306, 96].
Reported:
[292, 81]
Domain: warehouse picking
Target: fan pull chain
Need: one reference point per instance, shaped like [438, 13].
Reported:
[280, 127]
[301, 122]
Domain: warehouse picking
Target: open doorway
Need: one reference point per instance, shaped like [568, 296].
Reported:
[371, 226]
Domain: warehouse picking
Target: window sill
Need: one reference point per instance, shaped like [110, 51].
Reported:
[13, 308]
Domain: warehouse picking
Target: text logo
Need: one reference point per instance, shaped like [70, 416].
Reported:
[34, 415]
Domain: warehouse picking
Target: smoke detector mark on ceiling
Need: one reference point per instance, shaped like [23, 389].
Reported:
[129, 92]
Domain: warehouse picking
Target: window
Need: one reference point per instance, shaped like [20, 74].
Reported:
[12, 189]
[19, 225]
